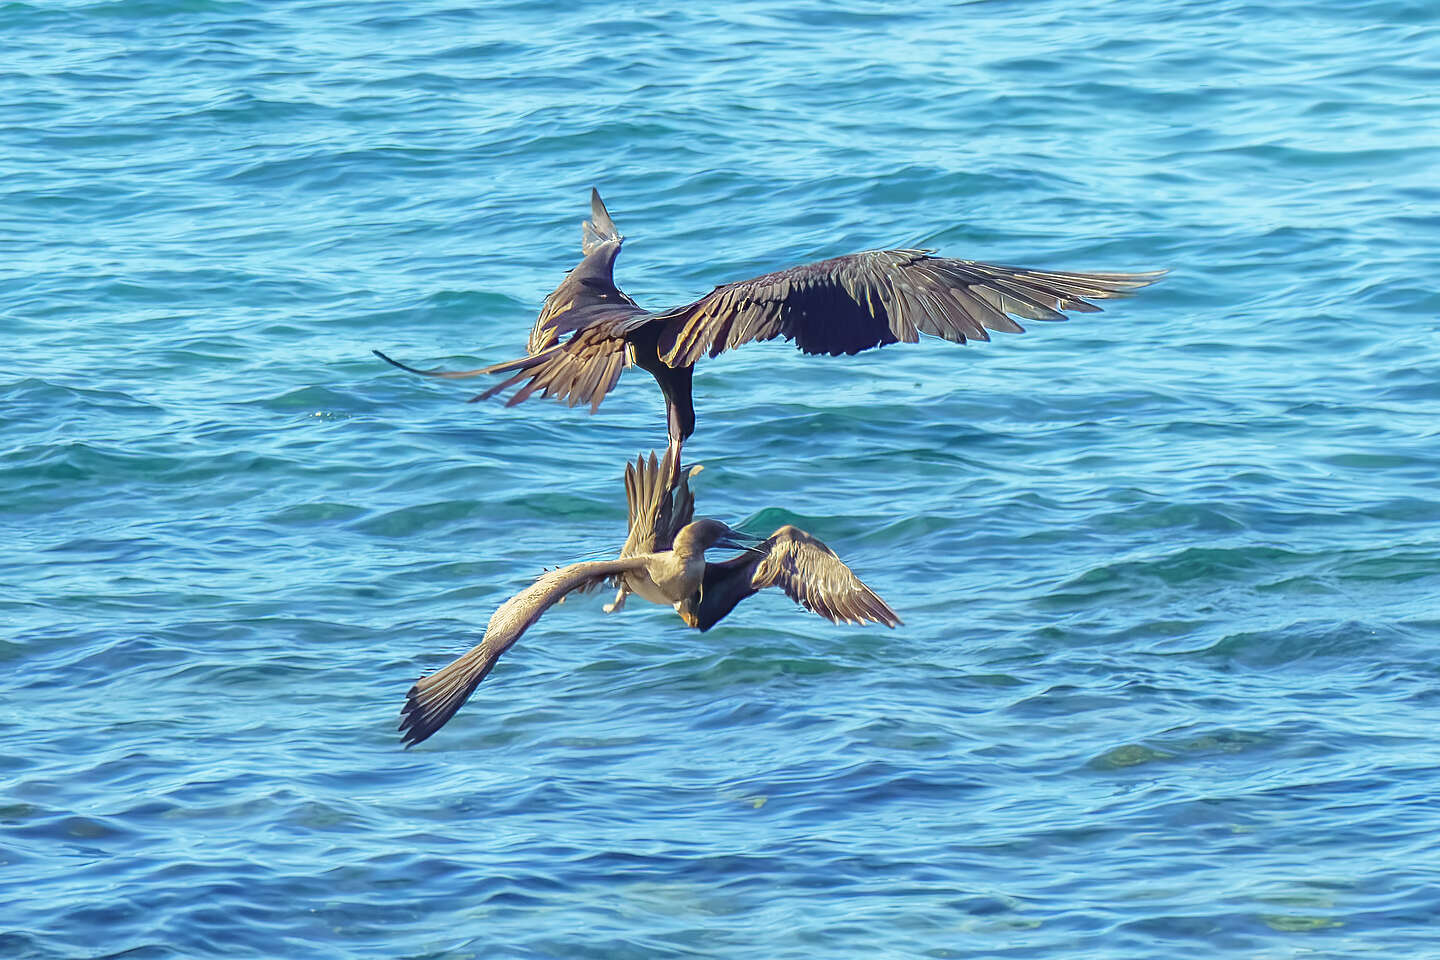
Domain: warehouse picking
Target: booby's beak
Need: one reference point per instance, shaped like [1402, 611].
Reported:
[735, 540]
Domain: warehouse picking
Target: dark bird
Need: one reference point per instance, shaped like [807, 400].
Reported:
[663, 561]
[589, 330]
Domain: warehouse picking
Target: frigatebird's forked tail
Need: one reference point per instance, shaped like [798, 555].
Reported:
[599, 228]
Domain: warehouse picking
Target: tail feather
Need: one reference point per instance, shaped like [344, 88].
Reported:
[599, 229]
[521, 363]
[434, 698]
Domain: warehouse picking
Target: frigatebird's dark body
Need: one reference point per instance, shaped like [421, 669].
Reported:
[589, 330]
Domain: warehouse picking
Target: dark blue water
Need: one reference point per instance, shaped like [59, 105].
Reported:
[1170, 574]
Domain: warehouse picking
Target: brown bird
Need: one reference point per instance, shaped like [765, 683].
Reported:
[663, 561]
[588, 330]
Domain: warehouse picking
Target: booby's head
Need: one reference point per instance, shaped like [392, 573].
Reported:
[704, 534]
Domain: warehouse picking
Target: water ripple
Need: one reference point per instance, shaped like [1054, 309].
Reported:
[1168, 572]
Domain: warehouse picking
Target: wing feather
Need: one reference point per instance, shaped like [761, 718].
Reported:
[813, 576]
[582, 369]
[862, 300]
[657, 508]
[434, 698]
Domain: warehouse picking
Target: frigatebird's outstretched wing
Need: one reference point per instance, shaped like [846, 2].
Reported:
[588, 330]
[862, 300]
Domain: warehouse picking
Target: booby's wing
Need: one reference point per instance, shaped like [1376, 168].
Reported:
[434, 698]
[658, 506]
[862, 300]
[802, 566]
[812, 576]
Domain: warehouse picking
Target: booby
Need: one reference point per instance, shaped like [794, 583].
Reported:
[663, 561]
[589, 330]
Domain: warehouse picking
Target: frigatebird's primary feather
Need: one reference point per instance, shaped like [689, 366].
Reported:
[588, 329]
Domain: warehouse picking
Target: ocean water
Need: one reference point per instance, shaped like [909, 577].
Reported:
[1170, 574]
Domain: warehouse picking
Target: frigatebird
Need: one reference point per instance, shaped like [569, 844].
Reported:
[589, 330]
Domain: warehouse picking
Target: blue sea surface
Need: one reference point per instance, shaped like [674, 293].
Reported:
[1169, 679]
